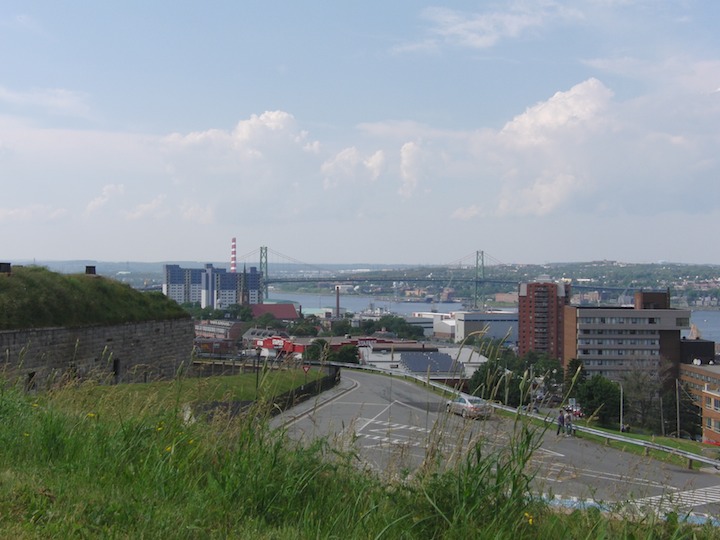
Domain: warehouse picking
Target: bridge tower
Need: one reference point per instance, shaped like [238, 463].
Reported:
[479, 273]
[263, 272]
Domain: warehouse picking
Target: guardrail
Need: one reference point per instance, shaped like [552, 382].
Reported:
[647, 445]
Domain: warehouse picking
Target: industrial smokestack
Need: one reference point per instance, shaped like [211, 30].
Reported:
[233, 257]
[337, 301]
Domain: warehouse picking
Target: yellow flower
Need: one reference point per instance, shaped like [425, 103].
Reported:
[35, 405]
[168, 449]
[91, 415]
[191, 441]
[26, 434]
[529, 518]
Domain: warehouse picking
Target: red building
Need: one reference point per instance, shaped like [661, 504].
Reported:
[540, 317]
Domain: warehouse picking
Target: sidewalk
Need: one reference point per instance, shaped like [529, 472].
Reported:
[308, 406]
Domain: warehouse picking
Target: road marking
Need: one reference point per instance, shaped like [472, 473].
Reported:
[681, 499]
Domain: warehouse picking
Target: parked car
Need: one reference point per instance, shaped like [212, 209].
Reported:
[470, 407]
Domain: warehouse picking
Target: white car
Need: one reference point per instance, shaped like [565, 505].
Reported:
[470, 407]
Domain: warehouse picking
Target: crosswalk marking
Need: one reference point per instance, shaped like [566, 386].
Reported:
[681, 499]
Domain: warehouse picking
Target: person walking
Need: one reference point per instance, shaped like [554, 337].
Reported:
[568, 424]
[560, 422]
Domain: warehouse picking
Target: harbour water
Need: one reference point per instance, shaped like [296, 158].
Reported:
[707, 322]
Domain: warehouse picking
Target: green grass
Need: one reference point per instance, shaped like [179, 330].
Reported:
[34, 297]
[120, 462]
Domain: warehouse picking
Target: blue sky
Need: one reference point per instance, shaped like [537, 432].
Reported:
[379, 132]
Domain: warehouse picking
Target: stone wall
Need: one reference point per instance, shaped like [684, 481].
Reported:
[131, 352]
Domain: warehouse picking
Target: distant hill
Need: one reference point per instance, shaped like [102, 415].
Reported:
[35, 297]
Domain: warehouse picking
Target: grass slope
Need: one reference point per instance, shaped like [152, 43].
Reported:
[34, 297]
[122, 463]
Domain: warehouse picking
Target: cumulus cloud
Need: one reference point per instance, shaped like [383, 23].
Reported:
[466, 213]
[409, 168]
[544, 196]
[578, 107]
[375, 164]
[154, 208]
[349, 165]
[101, 200]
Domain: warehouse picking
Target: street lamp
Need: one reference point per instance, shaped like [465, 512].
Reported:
[257, 370]
[622, 425]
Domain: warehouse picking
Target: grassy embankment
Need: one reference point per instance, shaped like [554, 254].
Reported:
[120, 461]
[34, 297]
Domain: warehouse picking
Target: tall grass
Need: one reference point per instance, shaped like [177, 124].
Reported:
[95, 469]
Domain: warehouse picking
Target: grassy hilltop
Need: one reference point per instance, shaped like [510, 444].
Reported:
[34, 297]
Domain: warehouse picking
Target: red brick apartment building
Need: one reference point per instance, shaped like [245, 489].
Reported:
[540, 317]
[703, 381]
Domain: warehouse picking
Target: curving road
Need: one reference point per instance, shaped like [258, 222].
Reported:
[394, 425]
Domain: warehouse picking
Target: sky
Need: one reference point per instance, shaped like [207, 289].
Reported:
[534, 131]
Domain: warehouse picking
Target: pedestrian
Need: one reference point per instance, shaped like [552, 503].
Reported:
[560, 422]
[568, 424]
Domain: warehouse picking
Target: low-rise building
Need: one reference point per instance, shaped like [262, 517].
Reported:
[703, 383]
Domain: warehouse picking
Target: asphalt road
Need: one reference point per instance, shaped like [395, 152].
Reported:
[394, 425]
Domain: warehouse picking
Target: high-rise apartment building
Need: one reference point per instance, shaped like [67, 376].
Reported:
[212, 287]
[540, 317]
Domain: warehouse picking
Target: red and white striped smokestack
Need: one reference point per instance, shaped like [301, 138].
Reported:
[233, 257]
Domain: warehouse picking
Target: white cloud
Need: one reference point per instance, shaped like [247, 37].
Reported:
[202, 215]
[154, 208]
[466, 213]
[349, 165]
[409, 168]
[579, 107]
[33, 212]
[53, 100]
[375, 164]
[545, 196]
[108, 192]
[482, 30]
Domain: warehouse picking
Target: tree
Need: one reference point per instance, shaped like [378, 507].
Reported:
[640, 390]
[574, 376]
[341, 327]
[502, 377]
[690, 414]
[317, 350]
[268, 320]
[347, 354]
[600, 399]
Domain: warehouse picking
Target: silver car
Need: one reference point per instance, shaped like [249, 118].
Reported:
[470, 407]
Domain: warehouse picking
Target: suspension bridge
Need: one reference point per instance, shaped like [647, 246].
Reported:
[475, 269]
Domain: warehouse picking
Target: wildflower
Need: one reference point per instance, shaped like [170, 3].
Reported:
[529, 518]
[26, 434]
[91, 415]
[35, 405]
[168, 449]
[191, 441]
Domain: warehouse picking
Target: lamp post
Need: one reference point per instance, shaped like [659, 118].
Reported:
[622, 425]
[257, 372]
